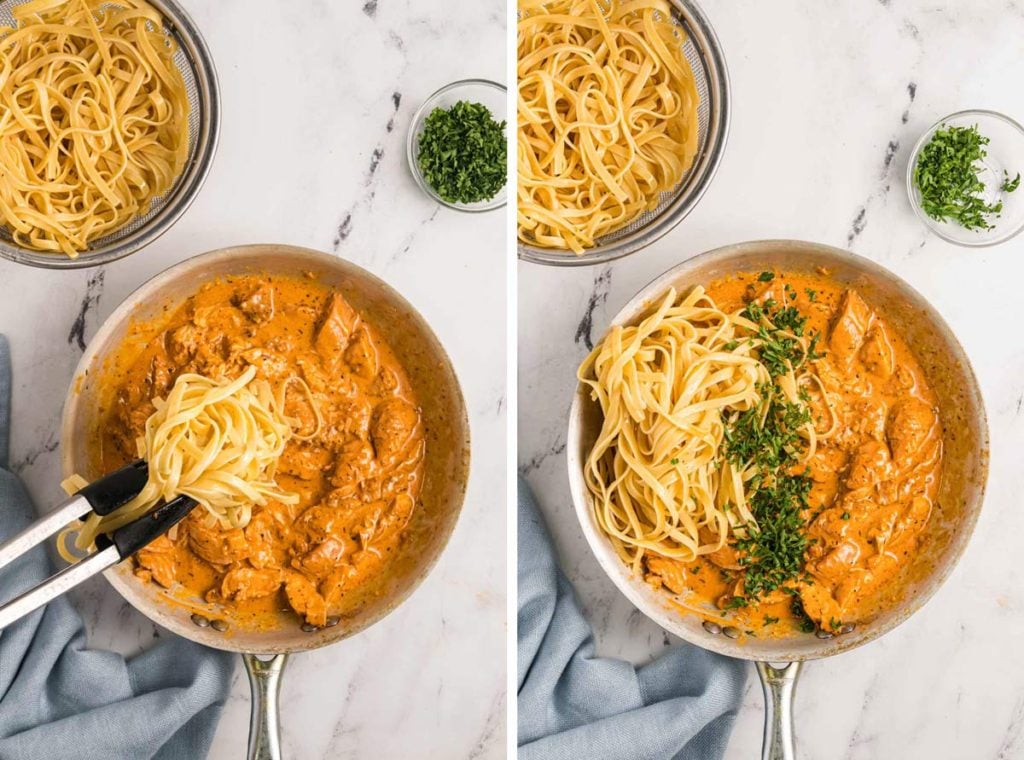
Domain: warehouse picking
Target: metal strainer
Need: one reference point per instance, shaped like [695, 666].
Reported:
[704, 53]
[196, 65]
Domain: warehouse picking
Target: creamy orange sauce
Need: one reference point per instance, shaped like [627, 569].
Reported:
[874, 481]
[358, 478]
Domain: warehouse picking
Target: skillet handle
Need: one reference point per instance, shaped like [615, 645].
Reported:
[778, 685]
[264, 719]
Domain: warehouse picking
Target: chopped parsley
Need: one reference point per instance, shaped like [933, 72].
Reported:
[846, 515]
[767, 438]
[674, 460]
[462, 153]
[811, 294]
[812, 349]
[797, 608]
[947, 174]
[780, 352]
[773, 552]
[736, 602]
[767, 434]
[770, 620]
[766, 276]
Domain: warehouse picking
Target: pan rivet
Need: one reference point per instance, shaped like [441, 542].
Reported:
[219, 625]
[848, 628]
[333, 621]
[308, 627]
[200, 620]
[821, 633]
[731, 631]
[712, 627]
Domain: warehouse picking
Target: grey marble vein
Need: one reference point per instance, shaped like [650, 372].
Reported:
[344, 229]
[47, 446]
[912, 93]
[410, 240]
[492, 731]
[91, 299]
[1012, 745]
[598, 296]
[538, 460]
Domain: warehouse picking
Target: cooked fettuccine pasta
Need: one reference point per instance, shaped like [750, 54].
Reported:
[93, 120]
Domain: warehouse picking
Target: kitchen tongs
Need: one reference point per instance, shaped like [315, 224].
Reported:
[102, 497]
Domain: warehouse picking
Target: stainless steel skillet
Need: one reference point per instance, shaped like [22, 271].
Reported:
[966, 447]
[447, 463]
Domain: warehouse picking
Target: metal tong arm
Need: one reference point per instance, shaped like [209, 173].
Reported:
[56, 585]
[102, 497]
[110, 550]
[74, 508]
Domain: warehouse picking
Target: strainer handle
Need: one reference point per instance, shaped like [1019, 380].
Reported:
[264, 718]
[778, 684]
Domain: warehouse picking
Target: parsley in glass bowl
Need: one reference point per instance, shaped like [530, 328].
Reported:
[458, 146]
[965, 175]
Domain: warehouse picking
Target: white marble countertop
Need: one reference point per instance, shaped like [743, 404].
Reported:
[829, 99]
[317, 100]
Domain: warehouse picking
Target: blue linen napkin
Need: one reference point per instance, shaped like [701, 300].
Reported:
[59, 699]
[574, 705]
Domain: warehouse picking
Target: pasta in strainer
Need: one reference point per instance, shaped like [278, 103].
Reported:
[93, 120]
[607, 116]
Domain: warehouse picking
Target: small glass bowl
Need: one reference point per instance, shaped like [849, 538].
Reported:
[489, 94]
[1005, 152]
